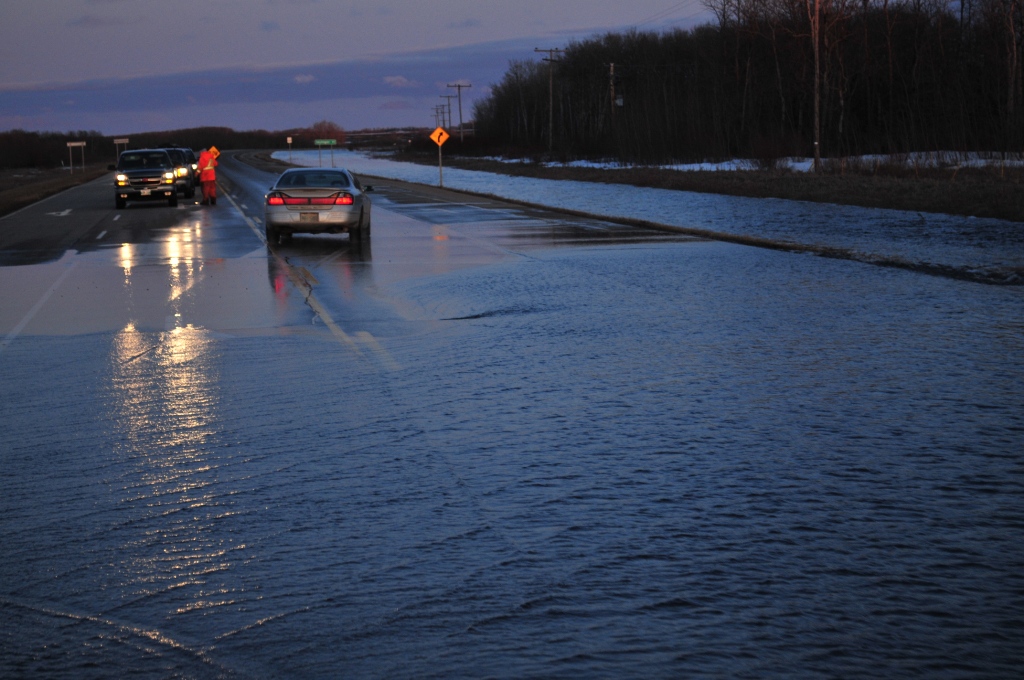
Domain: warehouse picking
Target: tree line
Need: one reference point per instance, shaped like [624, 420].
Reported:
[22, 149]
[771, 78]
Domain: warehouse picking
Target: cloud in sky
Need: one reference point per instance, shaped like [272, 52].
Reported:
[467, 23]
[94, 21]
[399, 81]
[261, 33]
[247, 56]
[264, 98]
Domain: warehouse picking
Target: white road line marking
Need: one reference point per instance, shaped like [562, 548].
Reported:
[117, 217]
[102, 234]
[32, 312]
[382, 354]
[262, 237]
[63, 213]
[314, 304]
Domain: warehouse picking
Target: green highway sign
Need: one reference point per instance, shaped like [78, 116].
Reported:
[326, 142]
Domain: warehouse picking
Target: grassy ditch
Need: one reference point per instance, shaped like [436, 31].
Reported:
[25, 186]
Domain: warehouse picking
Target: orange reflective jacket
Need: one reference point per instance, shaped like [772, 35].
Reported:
[207, 163]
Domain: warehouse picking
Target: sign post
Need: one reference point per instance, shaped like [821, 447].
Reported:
[440, 137]
[71, 157]
[117, 144]
[324, 142]
[289, 149]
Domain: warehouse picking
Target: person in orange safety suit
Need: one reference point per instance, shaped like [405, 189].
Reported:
[207, 175]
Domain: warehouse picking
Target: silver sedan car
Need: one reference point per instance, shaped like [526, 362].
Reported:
[317, 201]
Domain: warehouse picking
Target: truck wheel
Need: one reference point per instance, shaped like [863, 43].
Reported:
[119, 203]
[173, 200]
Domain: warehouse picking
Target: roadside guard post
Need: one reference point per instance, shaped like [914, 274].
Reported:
[440, 137]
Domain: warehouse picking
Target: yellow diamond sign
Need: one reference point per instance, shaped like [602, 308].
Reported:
[439, 136]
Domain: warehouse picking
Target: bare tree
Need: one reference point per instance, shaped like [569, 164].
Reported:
[326, 129]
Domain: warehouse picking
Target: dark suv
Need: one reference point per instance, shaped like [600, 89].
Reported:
[144, 175]
[184, 177]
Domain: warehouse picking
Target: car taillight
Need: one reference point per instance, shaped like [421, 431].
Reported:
[278, 198]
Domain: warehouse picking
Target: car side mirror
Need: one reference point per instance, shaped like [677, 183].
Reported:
[368, 188]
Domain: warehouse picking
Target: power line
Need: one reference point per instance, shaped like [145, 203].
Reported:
[664, 14]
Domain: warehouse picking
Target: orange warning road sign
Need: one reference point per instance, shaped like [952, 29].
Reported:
[439, 136]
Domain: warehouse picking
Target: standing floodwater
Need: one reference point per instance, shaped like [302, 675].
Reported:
[619, 459]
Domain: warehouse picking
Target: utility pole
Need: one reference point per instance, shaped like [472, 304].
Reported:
[449, 97]
[551, 93]
[462, 135]
[611, 87]
[814, 15]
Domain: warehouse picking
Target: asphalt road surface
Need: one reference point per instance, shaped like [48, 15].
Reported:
[494, 441]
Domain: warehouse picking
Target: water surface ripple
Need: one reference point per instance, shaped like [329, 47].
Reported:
[767, 466]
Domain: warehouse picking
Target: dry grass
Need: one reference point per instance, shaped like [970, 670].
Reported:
[22, 187]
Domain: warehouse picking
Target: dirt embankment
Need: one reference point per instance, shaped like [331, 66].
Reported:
[25, 186]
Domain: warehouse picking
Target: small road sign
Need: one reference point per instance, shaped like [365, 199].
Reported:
[439, 136]
[325, 142]
[71, 158]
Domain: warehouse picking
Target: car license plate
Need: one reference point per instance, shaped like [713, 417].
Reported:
[144, 192]
[309, 217]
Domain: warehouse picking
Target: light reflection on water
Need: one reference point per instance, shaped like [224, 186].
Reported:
[166, 400]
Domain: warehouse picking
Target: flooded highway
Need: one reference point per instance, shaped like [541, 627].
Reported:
[495, 441]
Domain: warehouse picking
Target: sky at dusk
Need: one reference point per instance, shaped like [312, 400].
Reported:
[123, 66]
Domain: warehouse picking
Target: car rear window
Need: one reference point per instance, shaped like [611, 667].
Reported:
[314, 178]
[138, 161]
